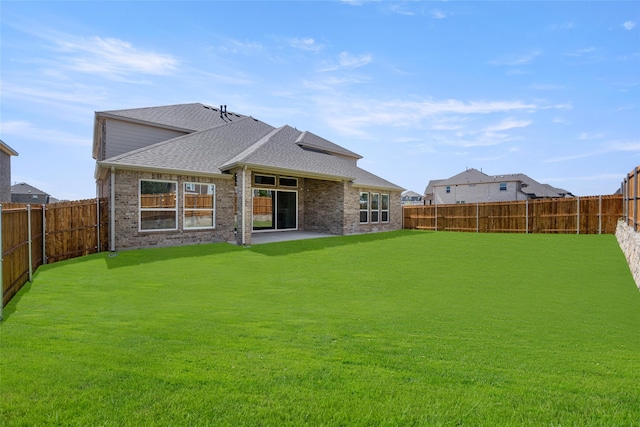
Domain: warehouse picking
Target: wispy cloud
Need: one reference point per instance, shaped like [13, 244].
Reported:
[306, 44]
[516, 60]
[508, 124]
[113, 57]
[629, 25]
[580, 52]
[437, 14]
[347, 60]
[586, 136]
[26, 130]
[611, 147]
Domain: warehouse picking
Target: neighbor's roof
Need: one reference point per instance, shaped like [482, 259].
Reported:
[10, 151]
[248, 141]
[473, 176]
[23, 188]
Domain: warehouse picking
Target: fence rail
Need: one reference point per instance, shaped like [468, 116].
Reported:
[33, 235]
[581, 215]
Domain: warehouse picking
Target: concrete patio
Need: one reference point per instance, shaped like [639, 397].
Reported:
[283, 236]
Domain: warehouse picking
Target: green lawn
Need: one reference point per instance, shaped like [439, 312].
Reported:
[401, 328]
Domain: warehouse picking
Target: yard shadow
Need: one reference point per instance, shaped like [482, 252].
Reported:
[11, 306]
[306, 245]
[144, 256]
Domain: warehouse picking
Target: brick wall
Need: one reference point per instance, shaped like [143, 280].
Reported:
[323, 206]
[127, 234]
[352, 223]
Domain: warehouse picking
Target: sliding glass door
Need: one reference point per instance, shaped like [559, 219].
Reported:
[275, 210]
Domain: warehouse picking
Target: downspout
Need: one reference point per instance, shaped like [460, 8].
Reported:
[112, 211]
[244, 202]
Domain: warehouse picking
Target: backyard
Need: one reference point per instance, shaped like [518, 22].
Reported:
[400, 328]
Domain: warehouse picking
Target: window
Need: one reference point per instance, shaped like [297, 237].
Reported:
[375, 206]
[503, 186]
[384, 208]
[288, 182]
[265, 180]
[158, 205]
[364, 207]
[448, 189]
[199, 205]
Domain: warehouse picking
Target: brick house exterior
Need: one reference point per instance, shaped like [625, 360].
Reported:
[191, 173]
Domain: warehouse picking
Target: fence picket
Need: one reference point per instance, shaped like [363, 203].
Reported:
[583, 215]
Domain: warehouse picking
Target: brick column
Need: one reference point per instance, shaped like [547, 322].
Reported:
[244, 207]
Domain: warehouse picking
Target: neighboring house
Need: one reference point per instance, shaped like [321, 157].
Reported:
[411, 198]
[25, 193]
[192, 173]
[472, 186]
[5, 171]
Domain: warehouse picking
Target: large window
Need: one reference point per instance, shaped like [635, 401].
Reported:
[158, 205]
[384, 208]
[199, 205]
[364, 207]
[375, 207]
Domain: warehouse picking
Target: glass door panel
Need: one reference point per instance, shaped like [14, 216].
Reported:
[263, 209]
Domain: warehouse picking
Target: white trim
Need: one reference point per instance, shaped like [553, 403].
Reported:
[372, 210]
[275, 179]
[140, 209]
[360, 210]
[185, 209]
[275, 208]
[385, 210]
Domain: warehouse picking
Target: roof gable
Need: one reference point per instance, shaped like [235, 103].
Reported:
[24, 188]
[188, 117]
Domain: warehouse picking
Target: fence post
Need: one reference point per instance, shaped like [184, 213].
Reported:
[526, 214]
[98, 223]
[44, 234]
[477, 217]
[436, 217]
[578, 216]
[600, 214]
[1, 281]
[29, 243]
[636, 172]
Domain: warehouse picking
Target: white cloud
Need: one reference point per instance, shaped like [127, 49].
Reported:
[27, 131]
[629, 25]
[611, 147]
[114, 57]
[508, 124]
[348, 60]
[437, 14]
[307, 44]
[514, 60]
[587, 136]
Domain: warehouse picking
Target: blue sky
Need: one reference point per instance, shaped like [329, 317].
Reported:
[422, 90]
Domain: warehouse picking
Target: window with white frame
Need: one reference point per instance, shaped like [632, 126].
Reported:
[199, 205]
[384, 208]
[158, 206]
[375, 207]
[364, 207]
[503, 186]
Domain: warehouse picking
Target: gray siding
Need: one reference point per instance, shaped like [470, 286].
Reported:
[477, 193]
[5, 177]
[123, 137]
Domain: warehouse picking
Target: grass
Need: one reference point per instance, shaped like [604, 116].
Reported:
[401, 328]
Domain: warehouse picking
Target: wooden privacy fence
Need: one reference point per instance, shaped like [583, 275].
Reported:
[631, 194]
[33, 235]
[581, 215]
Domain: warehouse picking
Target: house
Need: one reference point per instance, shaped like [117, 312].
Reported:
[25, 193]
[473, 186]
[5, 171]
[411, 198]
[192, 173]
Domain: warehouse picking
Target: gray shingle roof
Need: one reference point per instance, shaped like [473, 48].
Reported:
[248, 141]
[191, 117]
[24, 188]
